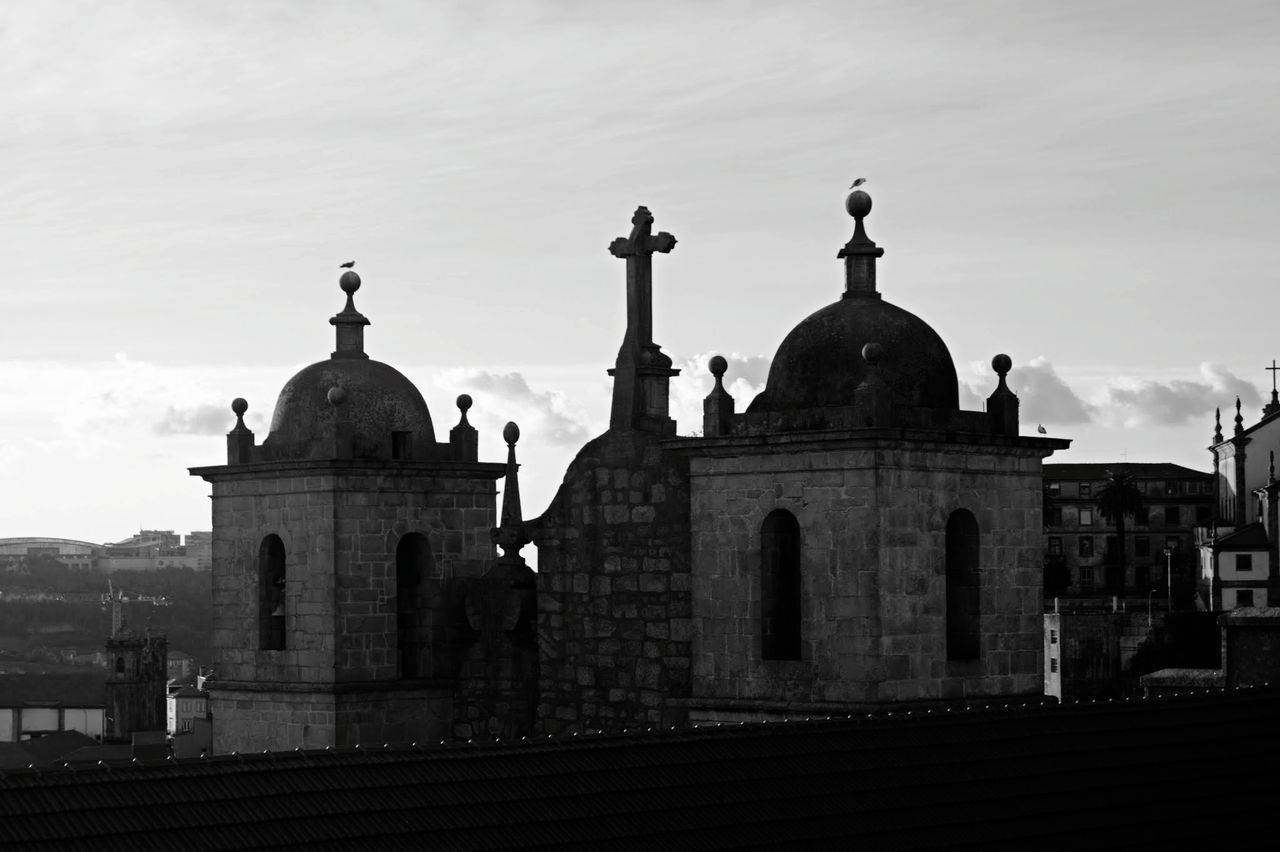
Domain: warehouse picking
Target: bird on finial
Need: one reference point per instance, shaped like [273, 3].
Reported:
[347, 265]
[857, 183]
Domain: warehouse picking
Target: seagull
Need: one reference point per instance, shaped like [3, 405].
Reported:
[1040, 428]
[347, 265]
[857, 183]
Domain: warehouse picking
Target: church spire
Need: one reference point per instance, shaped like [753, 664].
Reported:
[860, 252]
[642, 372]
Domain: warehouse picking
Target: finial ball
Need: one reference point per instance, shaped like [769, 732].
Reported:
[336, 396]
[858, 204]
[718, 365]
[1002, 364]
[464, 402]
[872, 353]
[511, 433]
[349, 282]
[239, 406]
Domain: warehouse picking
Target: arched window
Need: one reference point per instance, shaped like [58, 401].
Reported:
[271, 597]
[119, 665]
[780, 586]
[413, 565]
[963, 628]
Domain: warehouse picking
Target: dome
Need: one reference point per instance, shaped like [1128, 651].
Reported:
[820, 362]
[378, 400]
[383, 413]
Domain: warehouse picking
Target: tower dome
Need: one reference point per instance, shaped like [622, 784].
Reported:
[820, 363]
[375, 403]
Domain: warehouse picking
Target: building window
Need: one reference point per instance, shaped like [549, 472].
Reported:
[1244, 597]
[1171, 542]
[1142, 516]
[119, 665]
[1086, 546]
[1244, 562]
[1055, 516]
[1171, 516]
[413, 566]
[400, 445]
[1086, 490]
[271, 594]
[1202, 515]
[963, 629]
[1141, 545]
[1086, 517]
[1086, 578]
[780, 586]
[1053, 637]
[1055, 545]
[1141, 576]
[1053, 488]
[1053, 665]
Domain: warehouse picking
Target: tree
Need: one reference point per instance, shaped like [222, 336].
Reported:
[1118, 499]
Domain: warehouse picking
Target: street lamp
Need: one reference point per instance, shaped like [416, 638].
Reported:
[1168, 574]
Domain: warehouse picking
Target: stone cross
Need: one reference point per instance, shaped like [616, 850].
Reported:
[638, 251]
[1273, 368]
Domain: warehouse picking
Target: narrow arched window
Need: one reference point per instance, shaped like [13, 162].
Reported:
[780, 586]
[963, 628]
[271, 598]
[413, 563]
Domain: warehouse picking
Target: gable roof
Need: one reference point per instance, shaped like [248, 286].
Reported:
[1141, 470]
[1249, 537]
[1125, 773]
[63, 690]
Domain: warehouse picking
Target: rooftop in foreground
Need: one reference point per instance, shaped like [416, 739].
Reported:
[1120, 774]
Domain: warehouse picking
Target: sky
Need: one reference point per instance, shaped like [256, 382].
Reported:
[1091, 188]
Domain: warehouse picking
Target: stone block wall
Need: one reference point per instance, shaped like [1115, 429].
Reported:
[255, 720]
[873, 517]
[341, 525]
[614, 595]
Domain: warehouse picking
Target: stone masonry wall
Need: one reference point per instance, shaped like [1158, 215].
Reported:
[873, 526]
[340, 529]
[614, 604]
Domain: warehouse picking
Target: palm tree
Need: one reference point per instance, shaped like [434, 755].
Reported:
[1119, 498]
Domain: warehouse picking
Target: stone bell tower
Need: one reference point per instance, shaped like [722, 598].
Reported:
[342, 547]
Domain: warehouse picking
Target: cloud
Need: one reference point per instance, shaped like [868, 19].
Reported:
[507, 396]
[1145, 402]
[743, 380]
[1043, 395]
[200, 420]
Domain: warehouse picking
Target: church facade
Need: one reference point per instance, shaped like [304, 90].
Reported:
[851, 539]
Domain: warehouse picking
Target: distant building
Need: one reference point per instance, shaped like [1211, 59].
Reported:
[148, 550]
[1079, 541]
[1239, 560]
[36, 705]
[136, 678]
[68, 551]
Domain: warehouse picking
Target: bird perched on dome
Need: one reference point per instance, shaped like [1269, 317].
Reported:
[347, 265]
[857, 183]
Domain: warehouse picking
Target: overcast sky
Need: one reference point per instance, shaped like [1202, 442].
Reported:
[1093, 189]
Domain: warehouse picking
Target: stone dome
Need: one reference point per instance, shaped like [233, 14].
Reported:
[375, 400]
[820, 363]
[378, 400]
